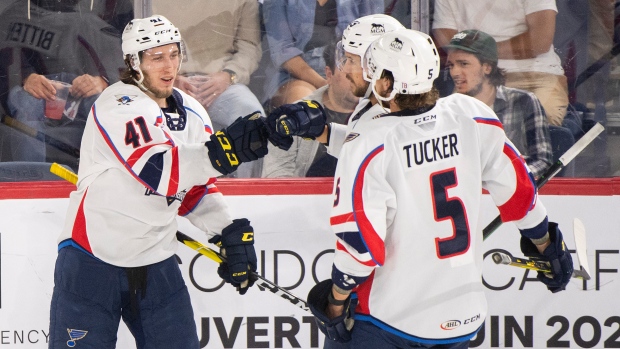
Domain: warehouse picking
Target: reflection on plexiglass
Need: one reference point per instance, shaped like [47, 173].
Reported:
[247, 55]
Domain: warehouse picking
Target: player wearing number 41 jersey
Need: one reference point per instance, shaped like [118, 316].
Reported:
[149, 154]
[407, 196]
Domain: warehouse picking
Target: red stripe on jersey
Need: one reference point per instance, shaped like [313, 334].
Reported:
[343, 218]
[213, 190]
[373, 242]
[173, 182]
[524, 196]
[341, 247]
[211, 181]
[492, 122]
[136, 155]
[191, 199]
[363, 295]
[78, 234]
[110, 144]
[208, 129]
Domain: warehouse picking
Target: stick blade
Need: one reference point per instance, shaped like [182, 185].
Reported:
[579, 232]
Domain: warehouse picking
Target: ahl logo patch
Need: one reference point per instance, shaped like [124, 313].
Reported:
[450, 325]
[351, 136]
[124, 100]
[75, 335]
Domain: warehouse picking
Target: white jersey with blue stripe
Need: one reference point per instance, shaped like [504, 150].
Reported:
[408, 189]
[363, 110]
[139, 169]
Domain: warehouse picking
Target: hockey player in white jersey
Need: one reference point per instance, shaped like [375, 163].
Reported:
[304, 120]
[149, 154]
[407, 195]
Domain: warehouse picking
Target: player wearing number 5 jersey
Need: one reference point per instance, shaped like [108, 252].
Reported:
[149, 154]
[407, 196]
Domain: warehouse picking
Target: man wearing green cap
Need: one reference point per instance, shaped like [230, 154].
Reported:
[472, 61]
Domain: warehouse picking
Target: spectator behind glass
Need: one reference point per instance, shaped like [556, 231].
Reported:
[306, 157]
[297, 33]
[524, 33]
[53, 42]
[224, 48]
[472, 62]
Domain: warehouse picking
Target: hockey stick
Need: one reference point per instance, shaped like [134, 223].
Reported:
[579, 232]
[202, 249]
[566, 158]
[63, 173]
[41, 136]
[275, 289]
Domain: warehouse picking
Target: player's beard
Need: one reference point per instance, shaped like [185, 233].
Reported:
[158, 93]
[359, 91]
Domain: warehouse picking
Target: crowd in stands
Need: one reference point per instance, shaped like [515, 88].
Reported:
[546, 68]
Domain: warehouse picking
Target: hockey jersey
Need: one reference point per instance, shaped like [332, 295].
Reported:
[407, 195]
[139, 169]
[363, 110]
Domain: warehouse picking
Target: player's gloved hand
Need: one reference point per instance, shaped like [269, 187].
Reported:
[305, 119]
[339, 328]
[556, 254]
[242, 141]
[237, 246]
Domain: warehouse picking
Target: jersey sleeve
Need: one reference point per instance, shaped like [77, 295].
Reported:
[132, 136]
[363, 201]
[337, 135]
[507, 178]
[205, 207]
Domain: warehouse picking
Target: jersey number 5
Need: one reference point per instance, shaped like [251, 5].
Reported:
[132, 136]
[449, 208]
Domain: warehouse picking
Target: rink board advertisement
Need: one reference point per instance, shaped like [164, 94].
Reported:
[294, 246]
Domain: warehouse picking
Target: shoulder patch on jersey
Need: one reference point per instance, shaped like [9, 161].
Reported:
[125, 99]
[351, 136]
[111, 31]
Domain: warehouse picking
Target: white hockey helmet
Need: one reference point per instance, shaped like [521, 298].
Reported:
[360, 33]
[411, 57]
[144, 33]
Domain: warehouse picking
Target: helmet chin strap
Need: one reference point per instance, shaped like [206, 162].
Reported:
[380, 98]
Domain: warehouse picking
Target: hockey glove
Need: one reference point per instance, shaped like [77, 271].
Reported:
[339, 328]
[237, 246]
[242, 141]
[558, 257]
[305, 119]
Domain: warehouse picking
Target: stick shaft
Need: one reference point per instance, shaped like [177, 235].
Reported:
[41, 136]
[503, 258]
[566, 158]
[262, 282]
[204, 250]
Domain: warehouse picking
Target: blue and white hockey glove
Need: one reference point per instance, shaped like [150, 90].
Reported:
[339, 328]
[304, 119]
[558, 257]
[237, 246]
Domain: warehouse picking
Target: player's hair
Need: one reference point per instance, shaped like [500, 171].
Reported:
[411, 101]
[129, 75]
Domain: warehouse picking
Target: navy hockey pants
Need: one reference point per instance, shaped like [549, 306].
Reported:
[365, 335]
[90, 297]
